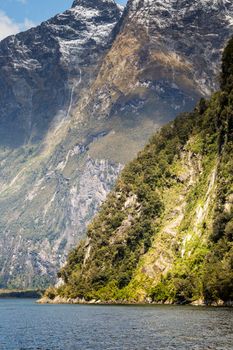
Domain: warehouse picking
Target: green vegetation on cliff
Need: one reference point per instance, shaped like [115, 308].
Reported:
[166, 231]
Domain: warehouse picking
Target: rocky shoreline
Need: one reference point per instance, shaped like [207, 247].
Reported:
[79, 301]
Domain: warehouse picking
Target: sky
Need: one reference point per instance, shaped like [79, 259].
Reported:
[20, 15]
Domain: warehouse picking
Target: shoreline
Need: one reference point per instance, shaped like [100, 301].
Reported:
[64, 301]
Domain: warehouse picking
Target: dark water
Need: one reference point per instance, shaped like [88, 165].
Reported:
[25, 325]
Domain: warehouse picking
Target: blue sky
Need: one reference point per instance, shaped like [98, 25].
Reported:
[18, 15]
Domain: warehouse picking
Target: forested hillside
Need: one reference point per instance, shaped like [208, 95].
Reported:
[165, 233]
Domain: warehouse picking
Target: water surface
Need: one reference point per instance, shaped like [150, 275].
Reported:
[27, 326]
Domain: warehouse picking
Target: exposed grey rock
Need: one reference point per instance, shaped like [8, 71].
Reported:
[53, 217]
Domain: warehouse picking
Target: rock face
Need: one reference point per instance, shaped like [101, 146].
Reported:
[165, 56]
[74, 92]
[49, 211]
[185, 35]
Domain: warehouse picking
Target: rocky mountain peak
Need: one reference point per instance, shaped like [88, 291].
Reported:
[178, 4]
[176, 10]
[93, 3]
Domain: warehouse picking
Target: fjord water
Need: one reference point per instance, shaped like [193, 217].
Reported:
[27, 326]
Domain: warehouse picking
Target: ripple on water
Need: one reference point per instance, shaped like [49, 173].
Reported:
[27, 326]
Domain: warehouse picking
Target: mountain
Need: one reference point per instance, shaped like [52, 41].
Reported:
[75, 91]
[164, 58]
[43, 73]
[44, 69]
[165, 232]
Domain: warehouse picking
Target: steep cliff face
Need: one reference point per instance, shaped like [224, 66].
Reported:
[80, 96]
[165, 233]
[47, 217]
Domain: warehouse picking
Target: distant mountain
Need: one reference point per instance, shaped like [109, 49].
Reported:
[165, 232]
[80, 96]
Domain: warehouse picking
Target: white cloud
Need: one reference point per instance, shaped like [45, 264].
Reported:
[8, 26]
[27, 24]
